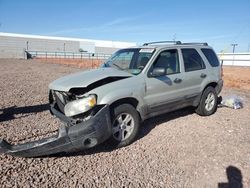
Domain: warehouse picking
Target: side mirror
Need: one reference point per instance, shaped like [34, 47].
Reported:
[158, 71]
[103, 65]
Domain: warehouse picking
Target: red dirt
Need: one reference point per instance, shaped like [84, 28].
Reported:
[236, 77]
[80, 63]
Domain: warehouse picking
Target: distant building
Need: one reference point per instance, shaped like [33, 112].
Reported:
[14, 45]
[235, 59]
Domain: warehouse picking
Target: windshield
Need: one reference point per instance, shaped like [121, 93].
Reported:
[131, 60]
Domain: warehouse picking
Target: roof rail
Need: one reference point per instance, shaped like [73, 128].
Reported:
[195, 43]
[161, 42]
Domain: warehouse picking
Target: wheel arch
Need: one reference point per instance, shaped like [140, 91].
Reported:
[215, 85]
[211, 84]
[127, 100]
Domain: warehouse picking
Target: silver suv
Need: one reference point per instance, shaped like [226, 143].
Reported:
[134, 84]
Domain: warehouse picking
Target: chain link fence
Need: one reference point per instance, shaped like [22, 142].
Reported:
[80, 59]
[68, 55]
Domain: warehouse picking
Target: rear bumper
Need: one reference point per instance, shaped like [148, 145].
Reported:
[219, 86]
[69, 137]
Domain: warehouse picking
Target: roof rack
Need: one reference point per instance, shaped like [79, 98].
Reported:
[176, 42]
[195, 43]
[161, 42]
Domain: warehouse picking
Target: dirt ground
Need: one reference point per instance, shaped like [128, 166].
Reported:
[237, 77]
[178, 149]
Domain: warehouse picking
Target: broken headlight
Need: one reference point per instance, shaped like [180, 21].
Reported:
[80, 105]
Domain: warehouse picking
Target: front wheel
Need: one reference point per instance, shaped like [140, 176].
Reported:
[208, 102]
[125, 125]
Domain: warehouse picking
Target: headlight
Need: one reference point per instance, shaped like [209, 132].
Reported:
[80, 106]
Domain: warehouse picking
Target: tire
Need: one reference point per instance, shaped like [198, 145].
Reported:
[208, 102]
[125, 125]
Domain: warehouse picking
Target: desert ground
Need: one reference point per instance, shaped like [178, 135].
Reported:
[178, 149]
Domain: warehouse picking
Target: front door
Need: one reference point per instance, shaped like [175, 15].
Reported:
[165, 93]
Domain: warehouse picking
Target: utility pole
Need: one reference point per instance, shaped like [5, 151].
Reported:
[248, 47]
[64, 49]
[233, 51]
[27, 45]
[234, 46]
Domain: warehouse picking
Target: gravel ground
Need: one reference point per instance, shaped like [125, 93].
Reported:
[179, 149]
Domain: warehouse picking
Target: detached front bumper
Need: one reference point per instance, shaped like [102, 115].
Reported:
[70, 137]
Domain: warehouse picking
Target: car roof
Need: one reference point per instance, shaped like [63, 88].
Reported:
[165, 44]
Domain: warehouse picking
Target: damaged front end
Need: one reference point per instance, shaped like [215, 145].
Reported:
[77, 132]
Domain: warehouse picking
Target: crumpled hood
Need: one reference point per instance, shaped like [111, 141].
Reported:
[85, 78]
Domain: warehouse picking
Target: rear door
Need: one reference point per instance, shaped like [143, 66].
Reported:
[195, 72]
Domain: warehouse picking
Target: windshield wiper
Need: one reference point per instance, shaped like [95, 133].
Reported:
[118, 66]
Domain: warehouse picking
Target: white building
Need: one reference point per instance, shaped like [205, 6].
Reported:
[235, 59]
[14, 45]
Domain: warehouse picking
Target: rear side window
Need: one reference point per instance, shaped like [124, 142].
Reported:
[211, 57]
[192, 60]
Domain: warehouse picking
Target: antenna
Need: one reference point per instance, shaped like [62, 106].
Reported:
[174, 37]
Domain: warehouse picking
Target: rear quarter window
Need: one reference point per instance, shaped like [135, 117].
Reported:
[211, 57]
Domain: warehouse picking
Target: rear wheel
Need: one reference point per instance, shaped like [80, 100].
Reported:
[125, 125]
[208, 102]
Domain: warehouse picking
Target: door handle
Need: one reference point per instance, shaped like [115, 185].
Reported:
[177, 80]
[203, 75]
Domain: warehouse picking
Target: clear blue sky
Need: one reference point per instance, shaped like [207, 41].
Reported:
[219, 23]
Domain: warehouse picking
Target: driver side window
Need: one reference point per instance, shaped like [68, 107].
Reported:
[168, 60]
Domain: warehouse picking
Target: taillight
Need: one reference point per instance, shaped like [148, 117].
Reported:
[221, 68]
